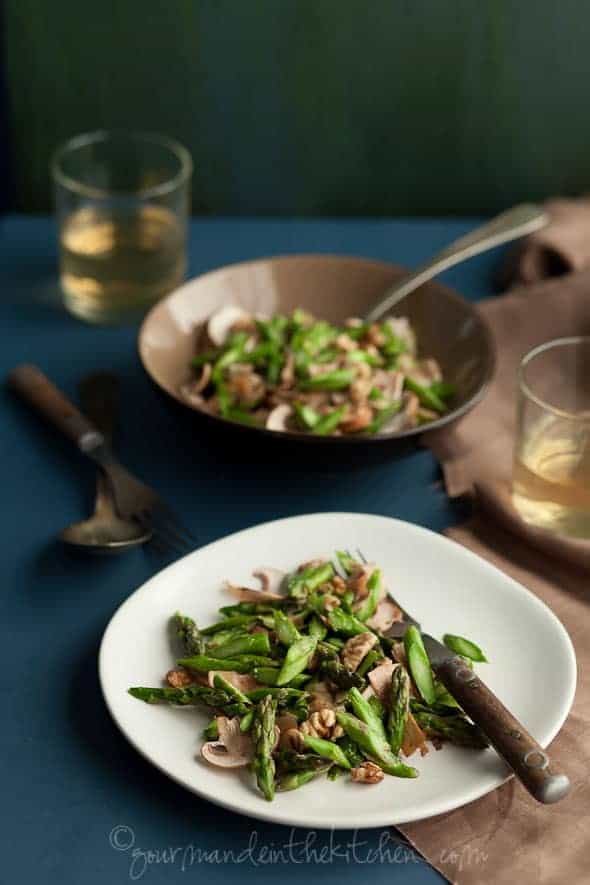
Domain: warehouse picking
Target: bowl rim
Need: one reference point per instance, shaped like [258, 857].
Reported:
[421, 430]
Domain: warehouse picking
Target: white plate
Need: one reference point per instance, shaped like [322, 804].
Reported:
[532, 663]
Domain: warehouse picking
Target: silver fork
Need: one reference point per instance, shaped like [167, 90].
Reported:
[530, 763]
[133, 498]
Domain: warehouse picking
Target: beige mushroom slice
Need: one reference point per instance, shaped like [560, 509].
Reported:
[380, 678]
[189, 393]
[247, 594]
[271, 579]
[233, 749]
[204, 379]
[414, 738]
[278, 417]
[401, 327]
[386, 614]
[221, 322]
[391, 383]
[321, 697]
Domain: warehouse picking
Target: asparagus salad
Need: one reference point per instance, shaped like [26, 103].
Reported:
[301, 680]
[295, 373]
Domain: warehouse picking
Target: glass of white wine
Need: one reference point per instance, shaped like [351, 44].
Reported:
[122, 204]
[551, 480]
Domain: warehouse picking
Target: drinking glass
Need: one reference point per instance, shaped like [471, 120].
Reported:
[551, 480]
[122, 203]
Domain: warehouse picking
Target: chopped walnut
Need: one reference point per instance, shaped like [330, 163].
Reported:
[346, 343]
[364, 370]
[375, 335]
[179, 677]
[330, 602]
[360, 389]
[322, 724]
[358, 419]
[367, 773]
[357, 582]
[356, 648]
[338, 585]
[246, 385]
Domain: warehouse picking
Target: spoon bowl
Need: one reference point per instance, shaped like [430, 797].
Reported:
[105, 532]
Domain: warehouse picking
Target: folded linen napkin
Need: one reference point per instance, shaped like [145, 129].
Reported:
[561, 247]
[506, 836]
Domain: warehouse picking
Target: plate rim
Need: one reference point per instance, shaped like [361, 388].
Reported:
[344, 440]
[377, 819]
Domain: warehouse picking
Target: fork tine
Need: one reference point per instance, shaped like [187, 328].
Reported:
[170, 533]
[171, 537]
[160, 541]
[338, 568]
[360, 556]
[156, 545]
[162, 511]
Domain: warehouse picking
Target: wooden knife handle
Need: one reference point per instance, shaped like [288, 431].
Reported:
[509, 738]
[39, 392]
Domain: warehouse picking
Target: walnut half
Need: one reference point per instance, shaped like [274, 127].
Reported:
[367, 773]
[322, 724]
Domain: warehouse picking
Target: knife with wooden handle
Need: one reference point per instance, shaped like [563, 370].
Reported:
[529, 761]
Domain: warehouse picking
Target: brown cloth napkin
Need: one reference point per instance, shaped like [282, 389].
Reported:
[506, 837]
[561, 247]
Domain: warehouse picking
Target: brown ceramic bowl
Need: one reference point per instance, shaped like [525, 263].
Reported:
[333, 288]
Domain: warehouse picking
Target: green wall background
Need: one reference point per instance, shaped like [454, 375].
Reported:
[328, 107]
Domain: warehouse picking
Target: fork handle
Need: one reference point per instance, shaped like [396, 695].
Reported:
[39, 392]
[510, 739]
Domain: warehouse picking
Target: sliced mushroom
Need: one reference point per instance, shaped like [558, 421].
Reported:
[321, 697]
[271, 579]
[190, 394]
[397, 424]
[386, 614]
[380, 678]
[368, 692]
[204, 380]
[234, 749]
[277, 419]
[414, 738]
[286, 721]
[247, 594]
[357, 582]
[222, 321]
[241, 681]
[401, 328]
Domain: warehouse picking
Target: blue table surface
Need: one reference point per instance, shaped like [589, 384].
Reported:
[80, 806]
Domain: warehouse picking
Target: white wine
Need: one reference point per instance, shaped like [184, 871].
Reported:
[551, 481]
[117, 263]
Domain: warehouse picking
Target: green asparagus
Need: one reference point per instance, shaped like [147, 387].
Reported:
[399, 709]
[189, 634]
[296, 659]
[419, 664]
[464, 647]
[263, 735]
[374, 745]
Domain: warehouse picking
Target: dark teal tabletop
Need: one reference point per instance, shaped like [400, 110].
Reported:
[80, 806]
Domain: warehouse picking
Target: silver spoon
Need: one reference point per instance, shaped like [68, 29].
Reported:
[104, 531]
[510, 225]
